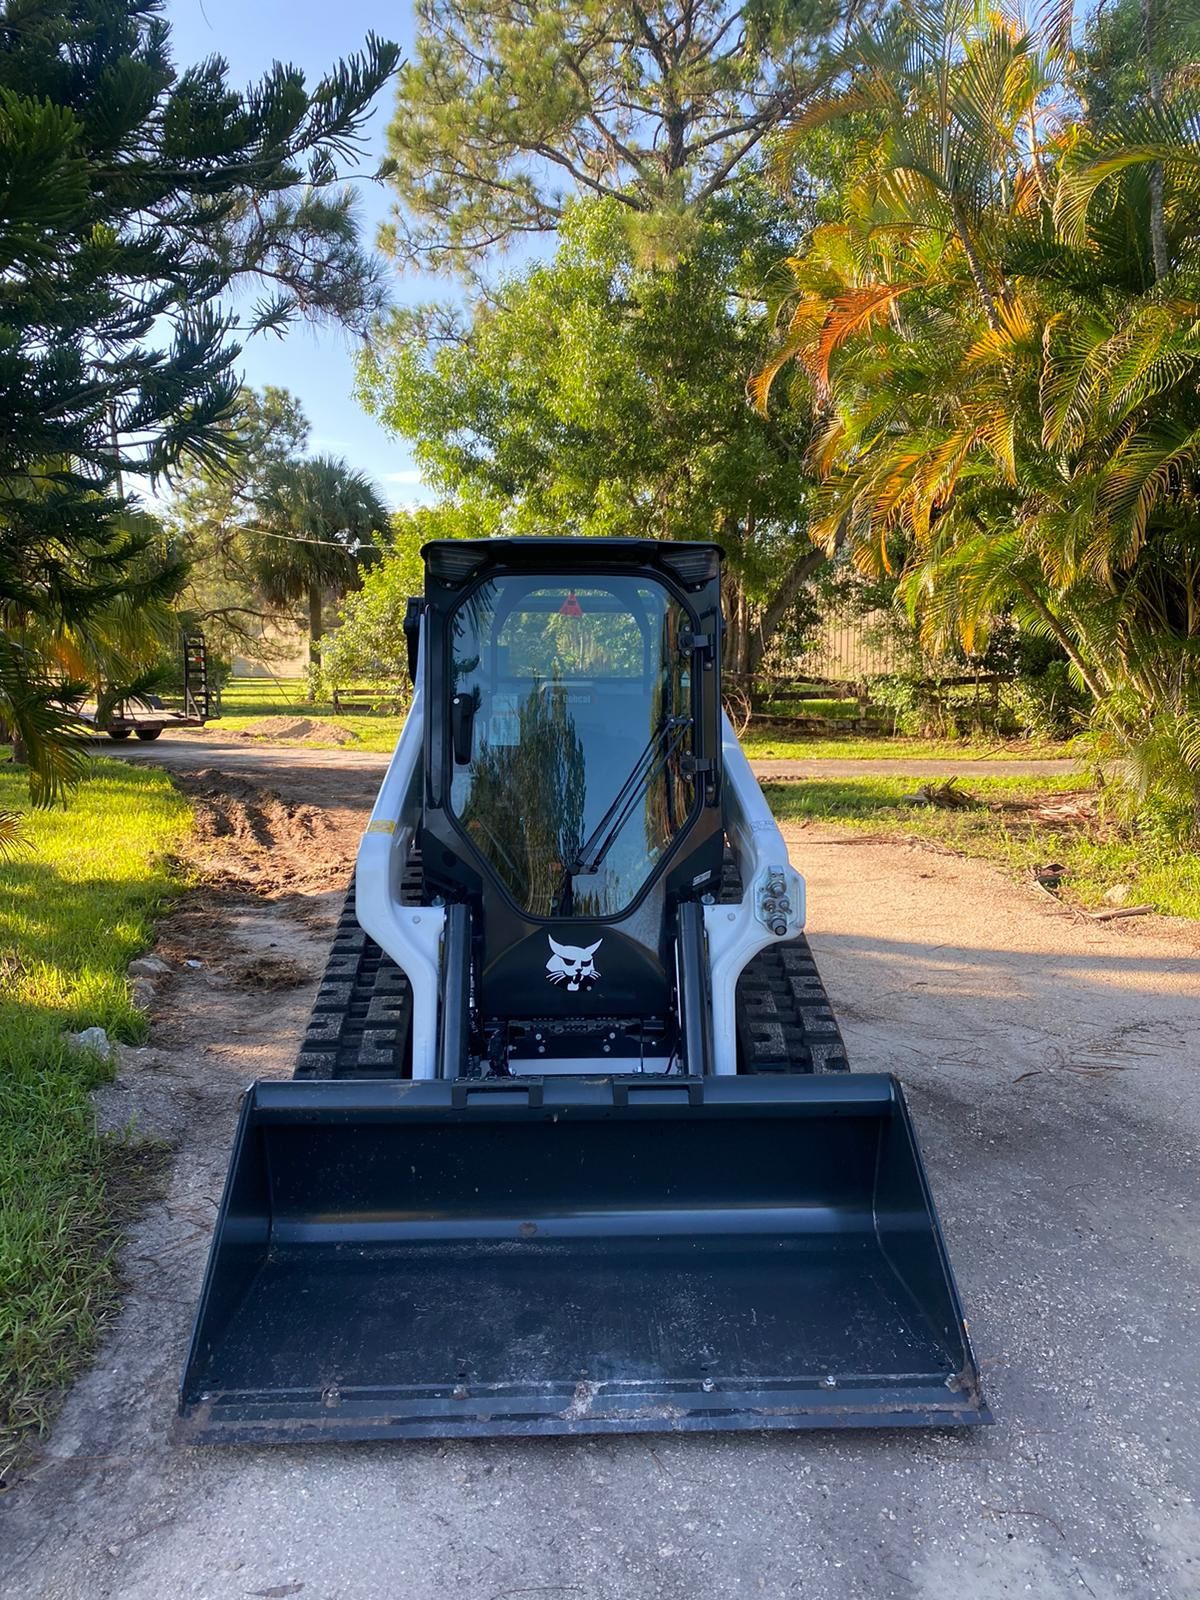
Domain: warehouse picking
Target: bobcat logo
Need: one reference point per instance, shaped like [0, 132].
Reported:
[573, 963]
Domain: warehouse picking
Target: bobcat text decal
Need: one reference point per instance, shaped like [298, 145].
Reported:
[573, 964]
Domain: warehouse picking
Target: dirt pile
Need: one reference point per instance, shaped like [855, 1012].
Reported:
[311, 729]
[249, 837]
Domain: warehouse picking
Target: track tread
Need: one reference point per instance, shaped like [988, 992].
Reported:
[362, 1015]
[784, 1020]
[359, 1027]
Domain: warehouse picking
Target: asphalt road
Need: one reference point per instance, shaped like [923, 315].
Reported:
[1053, 1071]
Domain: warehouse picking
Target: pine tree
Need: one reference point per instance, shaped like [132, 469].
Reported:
[511, 108]
[138, 204]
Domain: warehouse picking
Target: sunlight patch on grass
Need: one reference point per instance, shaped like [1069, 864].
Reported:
[371, 731]
[246, 701]
[262, 697]
[761, 746]
[74, 910]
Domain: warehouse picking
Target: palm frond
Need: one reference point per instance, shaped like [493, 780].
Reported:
[12, 839]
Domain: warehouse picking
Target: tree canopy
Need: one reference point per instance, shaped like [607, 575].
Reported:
[600, 396]
[999, 332]
[369, 645]
[212, 509]
[316, 523]
[140, 201]
[511, 108]
[272, 528]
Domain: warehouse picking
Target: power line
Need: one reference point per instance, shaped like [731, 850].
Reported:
[295, 538]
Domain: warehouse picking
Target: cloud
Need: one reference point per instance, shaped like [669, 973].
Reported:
[409, 476]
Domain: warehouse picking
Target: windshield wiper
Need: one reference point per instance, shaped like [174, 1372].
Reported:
[652, 762]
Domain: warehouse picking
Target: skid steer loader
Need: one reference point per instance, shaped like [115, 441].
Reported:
[571, 1146]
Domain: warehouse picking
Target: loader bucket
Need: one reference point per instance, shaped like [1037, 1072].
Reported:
[400, 1259]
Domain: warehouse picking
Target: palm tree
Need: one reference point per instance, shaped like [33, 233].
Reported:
[91, 621]
[317, 523]
[1008, 387]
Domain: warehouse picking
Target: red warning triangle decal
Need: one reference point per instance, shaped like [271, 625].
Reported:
[570, 606]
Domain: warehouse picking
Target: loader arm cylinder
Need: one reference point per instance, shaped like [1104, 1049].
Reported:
[695, 1000]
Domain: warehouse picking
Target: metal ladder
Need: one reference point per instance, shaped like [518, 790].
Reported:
[195, 677]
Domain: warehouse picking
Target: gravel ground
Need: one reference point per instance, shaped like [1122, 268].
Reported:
[1053, 1069]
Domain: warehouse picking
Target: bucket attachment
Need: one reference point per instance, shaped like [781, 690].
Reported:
[417, 1259]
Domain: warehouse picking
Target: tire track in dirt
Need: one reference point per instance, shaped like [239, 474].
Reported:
[266, 839]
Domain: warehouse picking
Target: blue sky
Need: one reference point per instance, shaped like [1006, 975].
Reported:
[316, 365]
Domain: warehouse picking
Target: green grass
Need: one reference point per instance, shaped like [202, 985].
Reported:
[867, 747]
[244, 701]
[261, 697]
[74, 910]
[378, 733]
[1097, 855]
[810, 708]
[371, 731]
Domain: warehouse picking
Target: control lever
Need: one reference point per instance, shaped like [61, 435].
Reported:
[462, 727]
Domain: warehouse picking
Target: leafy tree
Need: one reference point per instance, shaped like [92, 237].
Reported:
[601, 396]
[369, 643]
[509, 108]
[1008, 385]
[139, 200]
[212, 514]
[517, 120]
[315, 525]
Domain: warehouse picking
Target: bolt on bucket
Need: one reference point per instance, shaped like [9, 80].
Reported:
[442, 1259]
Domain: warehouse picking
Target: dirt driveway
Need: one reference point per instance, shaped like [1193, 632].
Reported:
[1053, 1068]
[240, 752]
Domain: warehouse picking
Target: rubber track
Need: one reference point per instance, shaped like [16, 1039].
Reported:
[361, 1018]
[784, 1020]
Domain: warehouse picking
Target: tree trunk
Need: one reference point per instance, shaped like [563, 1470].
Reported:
[797, 575]
[316, 629]
[1091, 676]
[991, 300]
[733, 655]
[1158, 225]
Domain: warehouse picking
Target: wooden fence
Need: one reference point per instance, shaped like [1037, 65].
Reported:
[846, 649]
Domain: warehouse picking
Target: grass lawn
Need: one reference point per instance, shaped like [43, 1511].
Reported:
[261, 697]
[820, 706]
[244, 701]
[73, 911]
[371, 731]
[1005, 827]
[867, 747]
